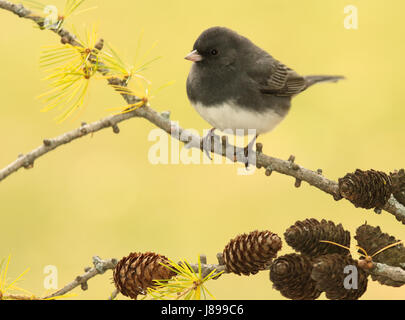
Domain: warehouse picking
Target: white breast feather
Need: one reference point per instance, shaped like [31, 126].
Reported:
[230, 116]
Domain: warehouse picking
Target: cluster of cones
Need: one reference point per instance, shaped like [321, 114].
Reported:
[322, 262]
[372, 189]
[319, 266]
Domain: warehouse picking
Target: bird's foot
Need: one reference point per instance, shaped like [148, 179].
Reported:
[208, 141]
[250, 154]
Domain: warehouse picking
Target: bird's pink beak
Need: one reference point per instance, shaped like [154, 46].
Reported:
[194, 56]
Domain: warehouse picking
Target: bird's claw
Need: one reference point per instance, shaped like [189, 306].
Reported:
[208, 141]
[250, 154]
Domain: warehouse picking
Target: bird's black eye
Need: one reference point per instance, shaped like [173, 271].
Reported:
[214, 52]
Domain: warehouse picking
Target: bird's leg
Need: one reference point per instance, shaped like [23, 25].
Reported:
[207, 142]
[248, 150]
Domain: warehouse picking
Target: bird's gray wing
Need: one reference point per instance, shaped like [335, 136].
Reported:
[282, 81]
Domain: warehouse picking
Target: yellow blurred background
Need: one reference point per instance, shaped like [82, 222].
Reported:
[100, 195]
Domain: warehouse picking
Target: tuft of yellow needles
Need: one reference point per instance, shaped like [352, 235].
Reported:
[70, 69]
[186, 285]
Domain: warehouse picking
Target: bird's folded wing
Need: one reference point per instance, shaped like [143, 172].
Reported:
[283, 81]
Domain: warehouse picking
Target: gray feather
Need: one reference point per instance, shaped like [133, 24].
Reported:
[311, 80]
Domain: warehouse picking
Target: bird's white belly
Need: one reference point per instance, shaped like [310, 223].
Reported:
[230, 116]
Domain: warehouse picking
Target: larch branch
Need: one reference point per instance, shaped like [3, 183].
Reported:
[287, 167]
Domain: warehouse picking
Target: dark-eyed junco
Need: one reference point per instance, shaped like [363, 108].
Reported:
[233, 84]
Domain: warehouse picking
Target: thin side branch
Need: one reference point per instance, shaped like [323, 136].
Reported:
[394, 273]
[100, 266]
[27, 160]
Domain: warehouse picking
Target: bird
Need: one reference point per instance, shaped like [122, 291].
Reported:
[235, 85]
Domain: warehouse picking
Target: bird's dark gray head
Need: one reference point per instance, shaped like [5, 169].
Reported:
[217, 46]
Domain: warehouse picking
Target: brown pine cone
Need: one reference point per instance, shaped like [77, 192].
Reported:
[249, 253]
[291, 275]
[366, 189]
[136, 272]
[373, 239]
[398, 185]
[304, 237]
[328, 272]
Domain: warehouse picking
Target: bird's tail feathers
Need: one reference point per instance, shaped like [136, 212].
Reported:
[311, 80]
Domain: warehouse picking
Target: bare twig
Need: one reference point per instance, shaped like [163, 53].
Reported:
[217, 269]
[394, 273]
[100, 266]
[27, 160]
[19, 297]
